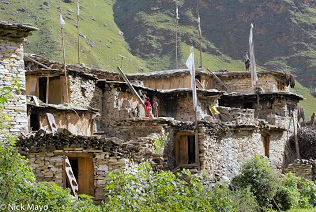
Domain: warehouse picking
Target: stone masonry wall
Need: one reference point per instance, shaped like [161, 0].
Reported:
[45, 153]
[222, 152]
[243, 84]
[12, 67]
[305, 169]
[83, 92]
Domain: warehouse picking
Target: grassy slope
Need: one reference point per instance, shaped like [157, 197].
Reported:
[103, 43]
[101, 47]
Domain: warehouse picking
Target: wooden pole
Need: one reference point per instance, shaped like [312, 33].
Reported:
[130, 86]
[312, 120]
[200, 34]
[78, 33]
[64, 58]
[47, 89]
[177, 38]
[258, 106]
[197, 151]
[295, 139]
[216, 77]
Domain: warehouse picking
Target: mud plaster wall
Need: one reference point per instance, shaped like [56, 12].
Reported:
[241, 84]
[12, 66]
[174, 82]
[79, 123]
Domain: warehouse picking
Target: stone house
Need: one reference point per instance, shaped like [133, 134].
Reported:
[98, 131]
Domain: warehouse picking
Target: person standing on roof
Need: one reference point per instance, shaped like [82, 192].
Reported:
[148, 106]
[246, 60]
[155, 108]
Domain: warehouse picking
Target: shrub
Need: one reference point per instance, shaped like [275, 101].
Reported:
[257, 174]
[287, 195]
[146, 190]
[245, 200]
[308, 195]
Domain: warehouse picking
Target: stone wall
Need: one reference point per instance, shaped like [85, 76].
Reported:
[305, 169]
[241, 82]
[222, 150]
[83, 91]
[46, 154]
[12, 67]
[236, 115]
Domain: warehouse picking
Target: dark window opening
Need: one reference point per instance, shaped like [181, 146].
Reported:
[248, 105]
[198, 77]
[42, 89]
[191, 149]
[266, 145]
[74, 166]
[35, 122]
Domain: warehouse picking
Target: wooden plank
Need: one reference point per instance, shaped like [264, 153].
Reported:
[38, 63]
[130, 86]
[218, 79]
[85, 176]
[184, 150]
[295, 139]
[75, 154]
[199, 84]
[71, 178]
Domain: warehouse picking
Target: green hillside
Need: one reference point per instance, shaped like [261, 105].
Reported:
[144, 32]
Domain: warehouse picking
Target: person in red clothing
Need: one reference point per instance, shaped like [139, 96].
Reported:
[148, 106]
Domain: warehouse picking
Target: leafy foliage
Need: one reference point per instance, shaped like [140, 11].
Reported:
[288, 194]
[257, 174]
[152, 191]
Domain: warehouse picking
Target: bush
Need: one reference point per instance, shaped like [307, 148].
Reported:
[146, 190]
[308, 195]
[257, 174]
[288, 195]
[245, 200]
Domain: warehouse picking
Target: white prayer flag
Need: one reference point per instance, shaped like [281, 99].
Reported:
[253, 71]
[199, 20]
[190, 65]
[177, 13]
[62, 22]
[78, 7]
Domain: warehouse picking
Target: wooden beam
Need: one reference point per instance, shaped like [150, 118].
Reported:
[38, 63]
[199, 84]
[218, 79]
[130, 86]
[295, 139]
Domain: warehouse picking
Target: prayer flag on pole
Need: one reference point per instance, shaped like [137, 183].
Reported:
[190, 65]
[62, 22]
[253, 71]
[199, 20]
[177, 13]
[78, 7]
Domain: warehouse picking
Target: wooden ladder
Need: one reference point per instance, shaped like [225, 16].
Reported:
[71, 178]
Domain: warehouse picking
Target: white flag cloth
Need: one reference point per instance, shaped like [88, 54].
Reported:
[199, 20]
[78, 7]
[253, 71]
[190, 65]
[62, 22]
[177, 12]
